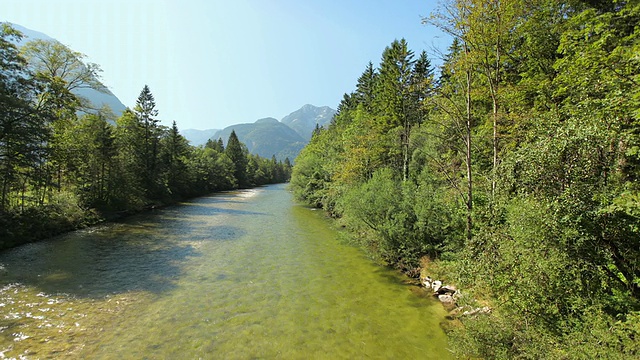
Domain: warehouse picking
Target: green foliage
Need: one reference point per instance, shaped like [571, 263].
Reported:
[238, 155]
[59, 171]
[62, 70]
[531, 135]
[24, 126]
[94, 150]
[351, 169]
[404, 221]
[309, 179]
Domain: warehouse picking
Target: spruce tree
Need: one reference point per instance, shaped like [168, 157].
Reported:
[365, 90]
[393, 101]
[145, 111]
[392, 88]
[238, 156]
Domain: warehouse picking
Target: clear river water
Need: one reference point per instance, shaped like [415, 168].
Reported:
[239, 275]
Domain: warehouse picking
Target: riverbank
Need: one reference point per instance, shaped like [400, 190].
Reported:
[35, 224]
[65, 215]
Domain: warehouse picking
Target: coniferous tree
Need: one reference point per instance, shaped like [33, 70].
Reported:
[366, 87]
[175, 152]
[347, 103]
[146, 112]
[393, 85]
[238, 155]
[422, 86]
[316, 131]
[94, 152]
[216, 145]
[393, 101]
[130, 190]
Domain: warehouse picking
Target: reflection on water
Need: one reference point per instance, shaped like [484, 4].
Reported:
[238, 275]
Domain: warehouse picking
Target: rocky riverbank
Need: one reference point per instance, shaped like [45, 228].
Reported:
[450, 297]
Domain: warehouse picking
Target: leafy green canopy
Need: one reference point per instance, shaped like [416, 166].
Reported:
[531, 135]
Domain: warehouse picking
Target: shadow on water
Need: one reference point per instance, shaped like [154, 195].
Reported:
[96, 266]
[201, 209]
[143, 253]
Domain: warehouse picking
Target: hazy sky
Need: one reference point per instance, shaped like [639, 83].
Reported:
[213, 63]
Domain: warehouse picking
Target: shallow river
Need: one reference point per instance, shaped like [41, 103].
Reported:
[240, 275]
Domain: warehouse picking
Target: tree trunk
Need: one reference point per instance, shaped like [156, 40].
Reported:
[468, 151]
[494, 98]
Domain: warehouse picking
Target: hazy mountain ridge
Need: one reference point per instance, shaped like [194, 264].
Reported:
[198, 137]
[97, 98]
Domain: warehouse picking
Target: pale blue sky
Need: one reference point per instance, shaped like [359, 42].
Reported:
[213, 63]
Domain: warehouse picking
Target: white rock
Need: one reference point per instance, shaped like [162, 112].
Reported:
[477, 311]
[436, 285]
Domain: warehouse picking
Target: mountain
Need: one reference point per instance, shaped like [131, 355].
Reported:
[97, 98]
[266, 137]
[198, 137]
[304, 120]
[285, 138]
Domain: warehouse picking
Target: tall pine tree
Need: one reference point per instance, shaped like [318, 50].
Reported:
[238, 156]
[145, 111]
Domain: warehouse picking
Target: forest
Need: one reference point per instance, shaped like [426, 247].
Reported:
[512, 171]
[65, 164]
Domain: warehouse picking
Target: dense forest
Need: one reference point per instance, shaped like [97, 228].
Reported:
[513, 171]
[64, 164]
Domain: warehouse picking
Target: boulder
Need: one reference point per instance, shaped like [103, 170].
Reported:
[446, 299]
[436, 285]
[447, 290]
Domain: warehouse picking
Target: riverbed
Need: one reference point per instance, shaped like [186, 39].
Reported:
[240, 275]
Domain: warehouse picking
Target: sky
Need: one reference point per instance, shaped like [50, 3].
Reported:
[213, 63]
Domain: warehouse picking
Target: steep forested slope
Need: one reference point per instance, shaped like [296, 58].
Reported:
[516, 170]
[266, 137]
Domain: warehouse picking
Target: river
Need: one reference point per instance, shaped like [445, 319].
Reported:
[239, 275]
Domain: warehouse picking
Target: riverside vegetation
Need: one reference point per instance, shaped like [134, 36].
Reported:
[64, 165]
[515, 171]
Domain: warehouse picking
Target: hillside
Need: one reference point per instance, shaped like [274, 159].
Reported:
[97, 98]
[198, 137]
[266, 137]
[285, 138]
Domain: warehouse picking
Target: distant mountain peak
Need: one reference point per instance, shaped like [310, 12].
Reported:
[305, 119]
[268, 120]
